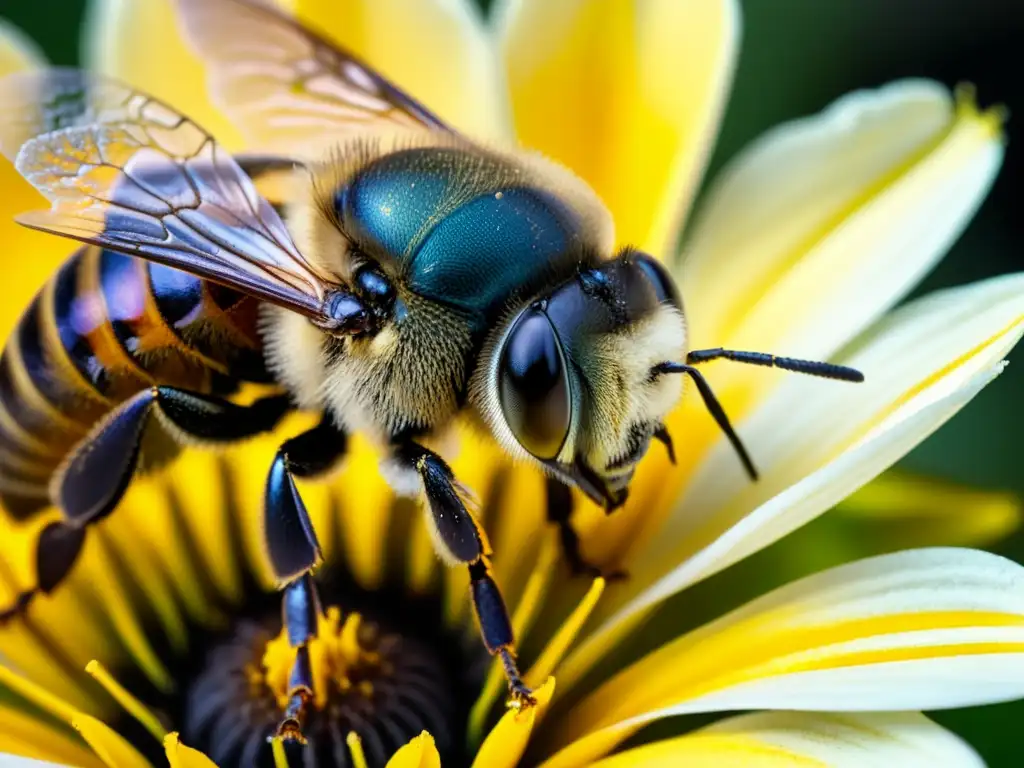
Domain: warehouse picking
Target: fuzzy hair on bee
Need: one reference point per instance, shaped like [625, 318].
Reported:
[364, 261]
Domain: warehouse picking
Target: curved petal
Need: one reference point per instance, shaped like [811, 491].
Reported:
[824, 223]
[922, 629]
[32, 737]
[816, 442]
[505, 744]
[790, 739]
[436, 50]
[141, 44]
[626, 94]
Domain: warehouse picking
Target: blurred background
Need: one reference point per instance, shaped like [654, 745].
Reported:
[796, 57]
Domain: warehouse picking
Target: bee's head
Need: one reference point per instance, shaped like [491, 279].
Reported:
[574, 378]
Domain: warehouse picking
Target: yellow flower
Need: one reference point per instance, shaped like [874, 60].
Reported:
[802, 247]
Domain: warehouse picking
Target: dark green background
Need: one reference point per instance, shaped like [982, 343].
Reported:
[797, 56]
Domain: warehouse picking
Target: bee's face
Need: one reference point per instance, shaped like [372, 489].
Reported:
[573, 376]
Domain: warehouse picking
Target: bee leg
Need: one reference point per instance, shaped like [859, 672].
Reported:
[559, 512]
[294, 552]
[461, 540]
[96, 475]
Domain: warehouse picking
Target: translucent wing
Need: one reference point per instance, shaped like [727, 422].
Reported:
[126, 172]
[289, 90]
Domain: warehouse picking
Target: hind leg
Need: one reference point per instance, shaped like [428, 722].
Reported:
[96, 475]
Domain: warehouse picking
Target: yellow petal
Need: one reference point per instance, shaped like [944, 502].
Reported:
[798, 739]
[141, 44]
[112, 748]
[922, 629]
[420, 752]
[628, 95]
[507, 741]
[435, 50]
[180, 756]
[905, 510]
[32, 737]
[31, 256]
[824, 223]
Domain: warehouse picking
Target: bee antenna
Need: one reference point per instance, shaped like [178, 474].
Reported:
[810, 367]
[714, 408]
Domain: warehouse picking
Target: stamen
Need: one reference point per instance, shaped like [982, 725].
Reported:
[129, 703]
[360, 679]
[355, 749]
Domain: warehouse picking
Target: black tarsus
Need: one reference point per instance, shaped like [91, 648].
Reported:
[810, 367]
[662, 436]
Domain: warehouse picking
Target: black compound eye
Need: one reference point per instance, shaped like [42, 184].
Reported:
[664, 286]
[533, 386]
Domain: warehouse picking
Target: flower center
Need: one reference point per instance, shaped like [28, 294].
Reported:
[382, 685]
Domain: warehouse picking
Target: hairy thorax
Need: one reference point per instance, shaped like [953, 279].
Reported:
[407, 378]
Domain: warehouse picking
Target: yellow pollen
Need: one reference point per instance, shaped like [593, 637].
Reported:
[992, 118]
[338, 656]
[131, 705]
[355, 749]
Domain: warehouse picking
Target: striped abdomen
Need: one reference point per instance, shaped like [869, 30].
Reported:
[105, 327]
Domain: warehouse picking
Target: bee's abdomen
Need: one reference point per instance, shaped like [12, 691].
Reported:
[105, 327]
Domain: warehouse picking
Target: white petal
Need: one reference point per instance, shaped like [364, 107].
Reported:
[13, 761]
[787, 739]
[819, 441]
[923, 629]
[824, 223]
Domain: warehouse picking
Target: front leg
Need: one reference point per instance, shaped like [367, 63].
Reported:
[461, 540]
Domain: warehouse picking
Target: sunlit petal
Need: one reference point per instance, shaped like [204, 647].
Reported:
[922, 629]
[824, 223]
[627, 94]
[113, 749]
[792, 739]
[33, 737]
[435, 50]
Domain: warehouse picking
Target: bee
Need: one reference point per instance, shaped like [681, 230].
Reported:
[379, 268]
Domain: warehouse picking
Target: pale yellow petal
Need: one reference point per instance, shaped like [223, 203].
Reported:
[824, 223]
[141, 44]
[922, 629]
[507, 741]
[435, 50]
[14, 761]
[112, 748]
[628, 95]
[816, 442]
[420, 752]
[907, 510]
[180, 756]
[804, 740]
